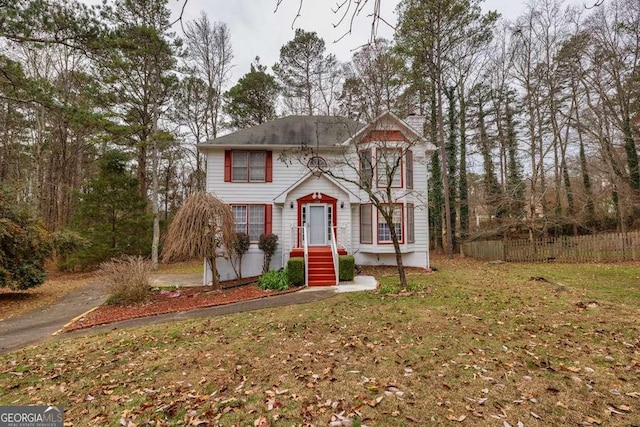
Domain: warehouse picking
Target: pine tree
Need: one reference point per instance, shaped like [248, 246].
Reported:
[112, 215]
[252, 101]
[303, 72]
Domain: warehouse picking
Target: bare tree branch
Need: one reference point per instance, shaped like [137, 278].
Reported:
[348, 11]
[179, 18]
[596, 4]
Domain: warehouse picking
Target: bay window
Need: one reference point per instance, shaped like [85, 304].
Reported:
[389, 166]
[366, 224]
[384, 232]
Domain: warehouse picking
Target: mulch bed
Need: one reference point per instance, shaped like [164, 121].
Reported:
[175, 300]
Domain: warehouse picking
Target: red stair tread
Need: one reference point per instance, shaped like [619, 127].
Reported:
[321, 269]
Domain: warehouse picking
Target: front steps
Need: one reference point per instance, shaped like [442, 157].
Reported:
[321, 269]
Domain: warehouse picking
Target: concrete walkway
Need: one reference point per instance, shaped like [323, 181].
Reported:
[40, 324]
[360, 283]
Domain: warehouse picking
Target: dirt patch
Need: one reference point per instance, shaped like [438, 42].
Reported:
[165, 301]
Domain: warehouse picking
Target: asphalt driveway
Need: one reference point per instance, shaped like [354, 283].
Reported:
[40, 325]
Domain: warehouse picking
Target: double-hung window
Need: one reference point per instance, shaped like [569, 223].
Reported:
[411, 228]
[384, 232]
[247, 166]
[250, 219]
[366, 168]
[366, 234]
[389, 165]
[409, 170]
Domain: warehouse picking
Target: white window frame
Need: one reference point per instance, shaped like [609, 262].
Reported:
[254, 220]
[255, 163]
[383, 228]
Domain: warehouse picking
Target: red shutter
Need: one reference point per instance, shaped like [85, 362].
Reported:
[227, 165]
[268, 171]
[268, 219]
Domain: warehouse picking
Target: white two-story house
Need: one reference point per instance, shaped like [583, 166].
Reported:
[301, 178]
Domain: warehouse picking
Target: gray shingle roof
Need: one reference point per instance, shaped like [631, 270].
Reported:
[293, 130]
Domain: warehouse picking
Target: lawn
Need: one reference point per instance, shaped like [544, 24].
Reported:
[472, 344]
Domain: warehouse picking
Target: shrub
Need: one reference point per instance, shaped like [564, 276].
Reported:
[240, 244]
[126, 279]
[389, 289]
[25, 244]
[268, 244]
[295, 271]
[347, 267]
[274, 280]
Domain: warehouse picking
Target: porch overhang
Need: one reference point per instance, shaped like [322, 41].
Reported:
[283, 197]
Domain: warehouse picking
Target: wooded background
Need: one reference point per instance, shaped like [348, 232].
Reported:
[536, 119]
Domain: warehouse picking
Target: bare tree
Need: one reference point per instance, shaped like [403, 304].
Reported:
[209, 56]
[527, 54]
[373, 162]
[200, 98]
[347, 12]
[373, 82]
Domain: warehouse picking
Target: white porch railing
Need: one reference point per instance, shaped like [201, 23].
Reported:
[340, 235]
[334, 252]
[306, 255]
[343, 237]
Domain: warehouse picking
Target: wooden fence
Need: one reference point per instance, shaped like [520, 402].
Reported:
[599, 247]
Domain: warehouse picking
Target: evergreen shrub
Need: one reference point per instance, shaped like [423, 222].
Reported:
[295, 271]
[347, 268]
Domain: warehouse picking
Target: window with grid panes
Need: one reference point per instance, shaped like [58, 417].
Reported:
[248, 166]
[384, 232]
[389, 165]
[249, 219]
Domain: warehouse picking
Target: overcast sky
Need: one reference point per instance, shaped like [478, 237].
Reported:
[258, 30]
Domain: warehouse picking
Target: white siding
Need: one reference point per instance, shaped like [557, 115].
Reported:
[412, 259]
[288, 179]
[284, 175]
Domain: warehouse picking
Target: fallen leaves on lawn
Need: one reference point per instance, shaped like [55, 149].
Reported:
[491, 357]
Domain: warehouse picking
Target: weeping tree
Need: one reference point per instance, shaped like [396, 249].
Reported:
[201, 227]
